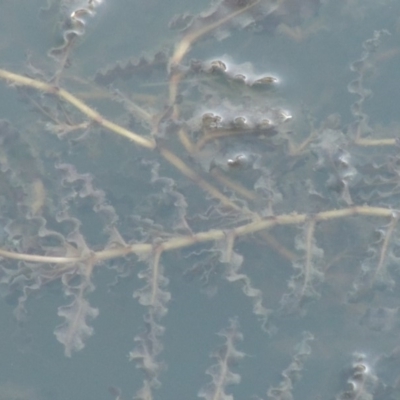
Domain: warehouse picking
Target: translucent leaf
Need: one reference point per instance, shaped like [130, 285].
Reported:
[302, 285]
[293, 372]
[227, 356]
[74, 331]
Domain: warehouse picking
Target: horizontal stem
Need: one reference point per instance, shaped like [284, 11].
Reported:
[179, 242]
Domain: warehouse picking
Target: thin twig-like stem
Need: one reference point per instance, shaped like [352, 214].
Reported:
[185, 44]
[19, 80]
[180, 242]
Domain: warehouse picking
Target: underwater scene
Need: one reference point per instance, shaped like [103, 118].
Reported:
[200, 199]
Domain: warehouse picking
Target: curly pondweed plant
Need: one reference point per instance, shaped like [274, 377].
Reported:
[174, 164]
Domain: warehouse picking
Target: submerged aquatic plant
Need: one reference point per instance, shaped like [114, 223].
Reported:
[165, 165]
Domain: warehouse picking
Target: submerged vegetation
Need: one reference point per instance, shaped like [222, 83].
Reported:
[167, 165]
